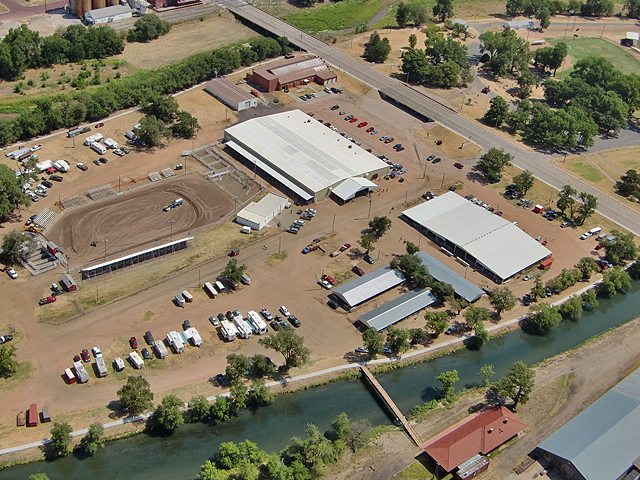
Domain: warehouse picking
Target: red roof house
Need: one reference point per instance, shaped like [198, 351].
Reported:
[479, 433]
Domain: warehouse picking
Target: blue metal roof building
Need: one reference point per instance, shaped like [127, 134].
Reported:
[463, 287]
[602, 442]
[368, 286]
[398, 309]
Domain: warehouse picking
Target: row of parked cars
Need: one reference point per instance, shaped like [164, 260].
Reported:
[275, 323]
[305, 215]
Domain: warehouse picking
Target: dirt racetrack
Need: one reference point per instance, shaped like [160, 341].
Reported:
[136, 217]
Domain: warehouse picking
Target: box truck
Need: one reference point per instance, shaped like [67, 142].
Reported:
[101, 367]
[81, 373]
[228, 330]
[259, 325]
[160, 349]
[69, 376]
[136, 361]
[174, 340]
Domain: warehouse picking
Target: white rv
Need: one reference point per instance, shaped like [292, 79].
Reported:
[101, 367]
[136, 360]
[160, 349]
[228, 330]
[110, 143]
[210, 290]
[244, 330]
[187, 297]
[259, 325]
[219, 286]
[119, 364]
[193, 336]
[179, 299]
[81, 373]
[96, 147]
[175, 340]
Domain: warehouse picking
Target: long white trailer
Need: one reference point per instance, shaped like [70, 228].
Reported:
[136, 360]
[244, 330]
[96, 137]
[101, 367]
[210, 290]
[81, 373]
[228, 330]
[259, 325]
[160, 349]
[175, 340]
[193, 336]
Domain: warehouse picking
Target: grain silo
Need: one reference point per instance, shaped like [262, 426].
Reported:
[113, 3]
[97, 4]
[73, 7]
[83, 6]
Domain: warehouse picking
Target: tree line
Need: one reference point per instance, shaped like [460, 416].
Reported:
[22, 48]
[68, 110]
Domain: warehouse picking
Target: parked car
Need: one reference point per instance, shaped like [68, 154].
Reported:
[368, 259]
[85, 355]
[284, 311]
[358, 271]
[148, 336]
[47, 183]
[333, 304]
[451, 329]
[325, 284]
[221, 316]
[56, 178]
[294, 321]
[133, 342]
[362, 124]
[387, 351]
[214, 321]
[342, 112]
[103, 160]
[527, 277]
[35, 148]
[100, 125]
[430, 157]
[348, 117]
[389, 140]
[329, 279]
[275, 325]
[370, 129]
[335, 107]
[12, 273]
[119, 152]
[145, 354]
[97, 162]
[266, 314]
[458, 165]
[125, 150]
[361, 350]
[82, 166]
[96, 351]
[437, 160]
[186, 325]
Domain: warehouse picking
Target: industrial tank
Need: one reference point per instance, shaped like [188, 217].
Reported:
[73, 7]
[83, 6]
[113, 3]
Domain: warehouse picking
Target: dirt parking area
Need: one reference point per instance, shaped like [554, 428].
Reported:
[137, 217]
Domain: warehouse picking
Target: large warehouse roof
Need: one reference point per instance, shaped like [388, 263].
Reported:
[603, 441]
[303, 149]
[398, 309]
[463, 287]
[496, 243]
[369, 285]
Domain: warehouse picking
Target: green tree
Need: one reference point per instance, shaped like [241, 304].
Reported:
[11, 195]
[402, 14]
[233, 271]
[586, 208]
[447, 379]
[497, 114]
[261, 366]
[629, 184]
[358, 434]
[60, 439]
[379, 225]
[163, 107]
[443, 9]
[544, 16]
[590, 297]
[493, 161]
[92, 439]
[221, 409]
[486, 372]
[476, 315]
[373, 341]
[152, 130]
[238, 395]
[416, 64]
[442, 290]
[480, 336]
[633, 8]
[566, 201]
[413, 40]
[229, 456]
[187, 125]
[538, 290]
[587, 266]
[168, 414]
[411, 247]
[7, 364]
[457, 303]
[436, 321]
[148, 27]
[418, 335]
[209, 471]
[613, 281]
[460, 30]
[517, 384]
[623, 248]
[38, 476]
[397, 339]
[376, 49]
[502, 300]
[341, 426]
[237, 366]
[507, 52]
[572, 308]
[199, 409]
[544, 316]
[259, 393]
[135, 396]
[366, 241]
[523, 181]
[289, 345]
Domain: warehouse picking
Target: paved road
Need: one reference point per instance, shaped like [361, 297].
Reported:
[536, 162]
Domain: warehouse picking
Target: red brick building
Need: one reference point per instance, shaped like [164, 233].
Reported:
[291, 74]
[480, 433]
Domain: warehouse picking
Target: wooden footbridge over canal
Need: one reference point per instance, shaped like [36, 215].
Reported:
[391, 406]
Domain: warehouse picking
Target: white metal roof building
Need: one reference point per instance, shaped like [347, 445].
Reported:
[485, 241]
[368, 286]
[257, 215]
[463, 287]
[108, 14]
[301, 155]
[352, 187]
[228, 93]
[398, 309]
[603, 441]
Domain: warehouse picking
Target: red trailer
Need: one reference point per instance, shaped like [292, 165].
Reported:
[69, 376]
[32, 416]
[546, 263]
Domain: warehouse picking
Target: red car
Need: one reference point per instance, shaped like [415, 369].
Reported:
[85, 355]
[345, 246]
[362, 124]
[311, 114]
[370, 129]
[353, 120]
[599, 246]
[458, 165]
[486, 89]
[329, 279]
[99, 125]
[358, 271]
[327, 124]
[369, 150]
[133, 342]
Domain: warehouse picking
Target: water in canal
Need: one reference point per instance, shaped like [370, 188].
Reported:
[180, 455]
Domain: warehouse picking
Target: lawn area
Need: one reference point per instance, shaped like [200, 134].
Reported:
[336, 16]
[589, 47]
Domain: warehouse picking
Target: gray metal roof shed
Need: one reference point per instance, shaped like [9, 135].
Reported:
[463, 287]
[368, 286]
[603, 441]
[398, 309]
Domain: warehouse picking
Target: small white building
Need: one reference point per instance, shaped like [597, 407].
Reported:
[229, 94]
[107, 14]
[257, 215]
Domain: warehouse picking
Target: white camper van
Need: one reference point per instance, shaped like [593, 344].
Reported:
[136, 360]
[228, 330]
[259, 325]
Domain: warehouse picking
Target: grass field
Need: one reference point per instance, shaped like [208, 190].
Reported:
[589, 47]
[337, 16]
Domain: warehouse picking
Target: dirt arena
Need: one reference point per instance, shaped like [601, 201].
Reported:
[136, 218]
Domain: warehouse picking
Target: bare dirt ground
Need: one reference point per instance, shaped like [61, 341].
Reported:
[187, 39]
[329, 334]
[137, 218]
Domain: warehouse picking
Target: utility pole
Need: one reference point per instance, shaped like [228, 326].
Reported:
[279, 243]
[442, 184]
[105, 248]
[369, 214]
[333, 226]
[119, 182]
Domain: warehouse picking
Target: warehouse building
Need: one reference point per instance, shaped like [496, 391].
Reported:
[230, 95]
[257, 215]
[368, 286]
[603, 441]
[398, 309]
[291, 74]
[108, 14]
[299, 155]
[463, 287]
[487, 242]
